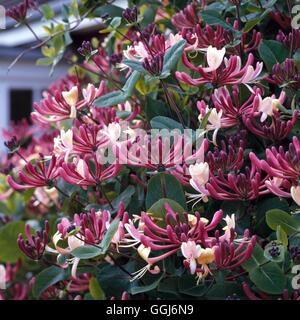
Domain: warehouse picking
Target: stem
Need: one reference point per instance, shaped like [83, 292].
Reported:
[238, 15]
[19, 154]
[172, 103]
[105, 196]
[68, 196]
[118, 265]
[32, 31]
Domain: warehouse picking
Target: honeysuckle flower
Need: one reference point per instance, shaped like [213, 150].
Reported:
[71, 96]
[214, 58]
[35, 245]
[285, 75]
[199, 177]
[267, 107]
[112, 131]
[144, 252]
[19, 12]
[249, 185]
[186, 18]
[199, 172]
[230, 225]
[61, 105]
[202, 37]
[215, 123]
[295, 193]
[229, 72]
[87, 139]
[73, 243]
[206, 257]
[230, 156]
[281, 164]
[125, 106]
[63, 144]
[191, 251]
[155, 152]
[80, 172]
[173, 39]
[43, 173]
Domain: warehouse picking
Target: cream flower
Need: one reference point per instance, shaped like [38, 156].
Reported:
[295, 193]
[191, 251]
[63, 144]
[214, 58]
[267, 106]
[199, 172]
[71, 96]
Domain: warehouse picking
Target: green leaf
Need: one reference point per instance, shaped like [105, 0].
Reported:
[164, 186]
[116, 97]
[140, 289]
[47, 278]
[257, 258]
[162, 122]
[125, 196]
[135, 65]
[155, 108]
[44, 61]
[188, 285]
[282, 236]
[272, 52]
[115, 22]
[276, 217]
[220, 291]
[265, 274]
[172, 56]
[269, 278]
[105, 243]
[250, 24]
[96, 290]
[260, 227]
[86, 252]
[159, 212]
[47, 11]
[9, 250]
[212, 18]
[110, 99]
[131, 82]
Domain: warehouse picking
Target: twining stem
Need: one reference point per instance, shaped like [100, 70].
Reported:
[20, 155]
[68, 196]
[238, 13]
[105, 196]
[32, 31]
[172, 102]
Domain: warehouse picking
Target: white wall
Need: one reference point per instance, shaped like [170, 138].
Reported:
[24, 75]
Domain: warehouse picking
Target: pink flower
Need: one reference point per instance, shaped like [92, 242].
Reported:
[186, 18]
[229, 72]
[38, 175]
[87, 138]
[66, 104]
[191, 251]
[80, 172]
[295, 193]
[35, 245]
[281, 164]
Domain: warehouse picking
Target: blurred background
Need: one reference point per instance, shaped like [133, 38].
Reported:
[24, 83]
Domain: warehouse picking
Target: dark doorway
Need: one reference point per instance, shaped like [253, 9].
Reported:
[20, 104]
